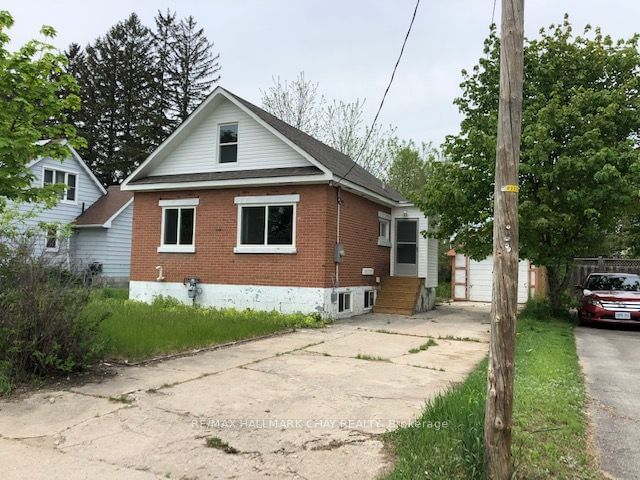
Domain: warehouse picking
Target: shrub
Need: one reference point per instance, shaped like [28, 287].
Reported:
[43, 324]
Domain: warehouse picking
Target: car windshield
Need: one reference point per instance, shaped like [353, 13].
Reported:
[627, 283]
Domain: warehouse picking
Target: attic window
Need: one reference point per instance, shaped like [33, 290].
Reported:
[228, 150]
[52, 176]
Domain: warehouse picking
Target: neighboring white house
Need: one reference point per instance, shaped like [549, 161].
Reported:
[81, 200]
[472, 280]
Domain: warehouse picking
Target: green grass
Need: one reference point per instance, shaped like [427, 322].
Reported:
[111, 292]
[443, 292]
[136, 330]
[430, 343]
[373, 358]
[215, 442]
[550, 427]
[459, 339]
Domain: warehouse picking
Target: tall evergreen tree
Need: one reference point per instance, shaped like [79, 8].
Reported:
[164, 41]
[136, 85]
[194, 68]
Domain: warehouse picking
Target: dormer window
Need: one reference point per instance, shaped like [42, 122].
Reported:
[228, 141]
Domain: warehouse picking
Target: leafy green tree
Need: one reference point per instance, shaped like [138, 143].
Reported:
[408, 171]
[37, 95]
[580, 161]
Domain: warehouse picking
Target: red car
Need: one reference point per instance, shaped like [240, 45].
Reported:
[610, 298]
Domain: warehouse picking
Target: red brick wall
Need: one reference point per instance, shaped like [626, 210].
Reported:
[216, 229]
[359, 234]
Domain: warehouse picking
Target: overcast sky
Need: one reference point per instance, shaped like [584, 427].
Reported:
[348, 46]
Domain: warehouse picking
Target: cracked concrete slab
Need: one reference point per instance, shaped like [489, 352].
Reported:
[45, 414]
[295, 406]
[455, 357]
[370, 343]
[20, 461]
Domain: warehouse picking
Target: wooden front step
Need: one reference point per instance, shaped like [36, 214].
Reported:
[394, 310]
[398, 295]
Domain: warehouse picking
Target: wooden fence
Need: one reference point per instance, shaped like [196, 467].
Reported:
[585, 266]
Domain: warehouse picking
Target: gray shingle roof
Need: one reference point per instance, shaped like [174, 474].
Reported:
[230, 175]
[337, 162]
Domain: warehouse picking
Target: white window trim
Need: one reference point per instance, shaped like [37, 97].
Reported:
[266, 201]
[386, 218]
[55, 249]
[258, 200]
[220, 145]
[66, 182]
[373, 302]
[345, 308]
[180, 202]
[178, 248]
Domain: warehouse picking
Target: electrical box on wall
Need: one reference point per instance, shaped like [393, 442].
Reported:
[367, 271]
[338, 252]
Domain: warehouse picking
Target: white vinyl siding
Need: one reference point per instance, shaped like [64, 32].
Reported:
[197, 151]
[109, 246]
[480, 280]
[427, 248]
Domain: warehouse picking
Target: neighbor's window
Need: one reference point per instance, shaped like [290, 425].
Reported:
[178, 225]
[344, 302]
[384, 229]
[51, 242]
[267, 224]
[228, 150]
[52, 176]
[369, 298]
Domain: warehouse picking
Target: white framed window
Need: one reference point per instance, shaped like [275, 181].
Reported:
[228, 143]
[52, 242]
[266, 224]
[178, 232]
[384, 229]
[52, 176]
[344, 302]
[369, 298]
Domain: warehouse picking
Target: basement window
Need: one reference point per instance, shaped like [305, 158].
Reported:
[228, 141]
[178, 226]
[369, 298]
[344, 302]
[266, 224]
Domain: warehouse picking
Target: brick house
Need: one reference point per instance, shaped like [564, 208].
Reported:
[264, 216]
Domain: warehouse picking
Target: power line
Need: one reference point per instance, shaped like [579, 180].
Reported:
[493, 12]
[384, 96]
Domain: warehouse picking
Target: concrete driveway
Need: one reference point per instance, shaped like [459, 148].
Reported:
[611, 363]
[299, 405]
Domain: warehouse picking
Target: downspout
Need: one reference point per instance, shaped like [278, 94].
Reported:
[336, 283]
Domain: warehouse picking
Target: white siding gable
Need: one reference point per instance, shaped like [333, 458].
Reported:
[198, 150]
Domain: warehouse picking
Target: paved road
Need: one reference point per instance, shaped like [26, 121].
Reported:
[276, 401]
[611, 363]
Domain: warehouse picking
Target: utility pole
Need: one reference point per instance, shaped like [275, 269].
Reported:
[500, 375]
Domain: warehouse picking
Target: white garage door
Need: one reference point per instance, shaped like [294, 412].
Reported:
[480, 279]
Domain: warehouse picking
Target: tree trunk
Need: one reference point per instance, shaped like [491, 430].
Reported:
[500, 375]
[557, 276]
